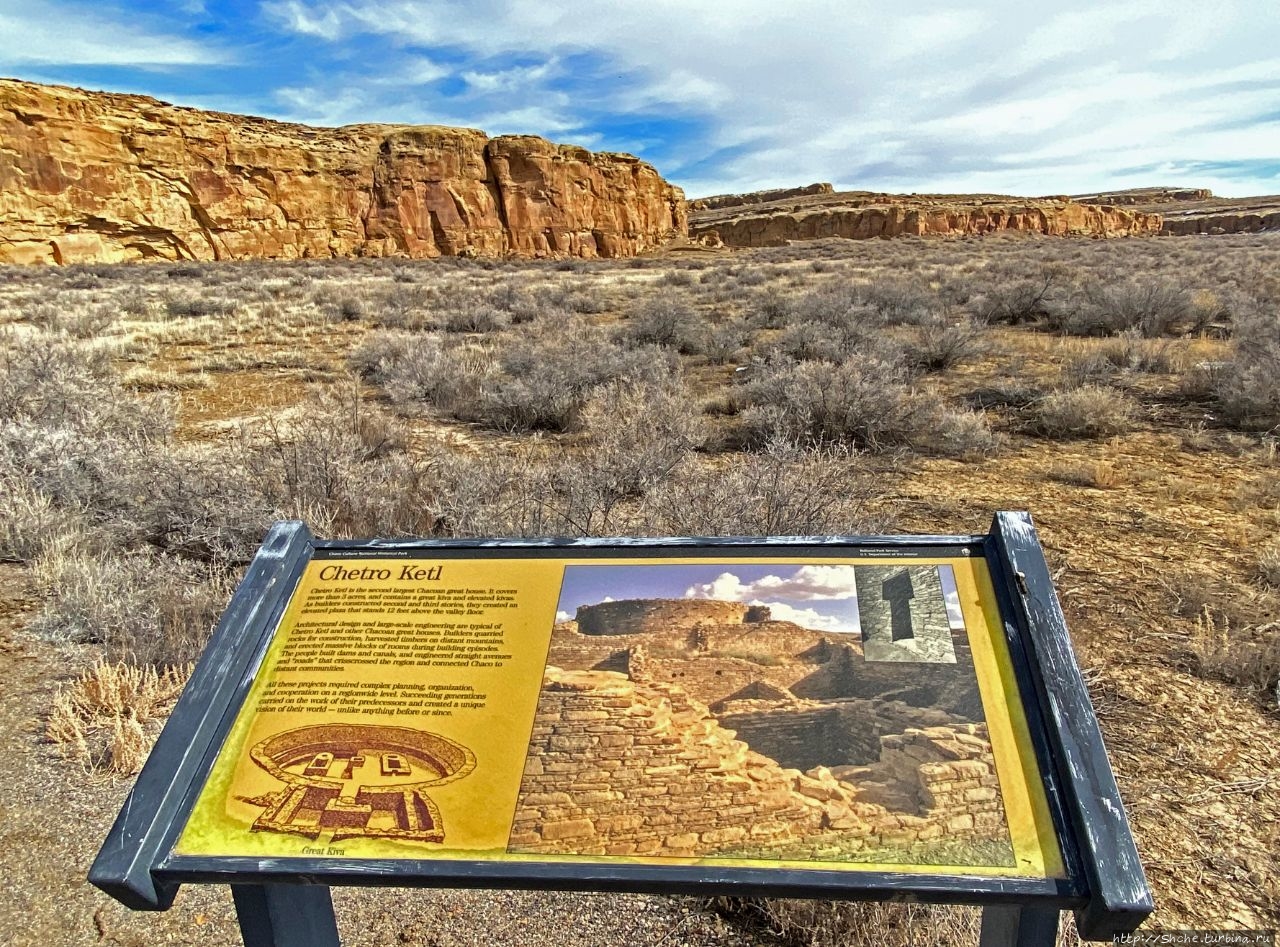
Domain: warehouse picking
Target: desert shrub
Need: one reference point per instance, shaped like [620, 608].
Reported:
[812, 341]
[1247, 654]
[144, 606]
[832, 324]
[864, 401]
[666, 319]
[1269, 565]
[957, 433]
[834, 304]
[1087, 411]
[768, 309]
[402, 307]
[1246, 386]
[344, 307]
[783, 489]
[543, 378]
[639, 433]
[1018, 301]
[195, 305]
[491, 494]
[899, 301]
[339, 464]
[677, 278]
[1115, 361]
[29, 519]
[529, 492]
[573, 297]
[726, 340]
[944, 342]
[473, 315]
[80, 321]
[54, 380]
[515, 300]
[1151, 307]
[859, 401]
[412, 367]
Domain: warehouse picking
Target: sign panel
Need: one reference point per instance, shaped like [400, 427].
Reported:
[845, 710]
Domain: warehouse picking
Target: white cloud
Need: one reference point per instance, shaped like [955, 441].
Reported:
[806, 584]
[510, 80]
[563, 616]
[307, 19]
[1044, 98]
[805, 617]
[56, 33]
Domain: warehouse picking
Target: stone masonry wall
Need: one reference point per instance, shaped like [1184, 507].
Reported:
[618, 766]
[809, 733]
[903, 614]
[635, 616]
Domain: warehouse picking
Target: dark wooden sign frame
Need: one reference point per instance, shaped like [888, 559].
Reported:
[285, 901]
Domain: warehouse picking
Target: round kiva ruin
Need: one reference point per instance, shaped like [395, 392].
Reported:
[358, 780]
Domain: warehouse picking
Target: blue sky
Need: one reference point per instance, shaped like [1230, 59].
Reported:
[1002, 96]
[818, 596]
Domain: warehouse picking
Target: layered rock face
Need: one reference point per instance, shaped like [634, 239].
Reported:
[1193, 210]
[1227, 220]
[863, 216]
[718, 201]
[88, 176]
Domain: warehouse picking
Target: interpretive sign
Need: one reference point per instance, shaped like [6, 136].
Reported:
[860, 717]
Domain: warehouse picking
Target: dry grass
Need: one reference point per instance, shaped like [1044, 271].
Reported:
[1269, 565]
[1099, 474]
[1244, 654]
[1087, 411]
[107, 718]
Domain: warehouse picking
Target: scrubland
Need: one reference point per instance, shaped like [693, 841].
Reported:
[155, 419]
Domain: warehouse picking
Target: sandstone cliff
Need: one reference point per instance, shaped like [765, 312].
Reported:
[863, 215]
[88, 176]
[1227, 221]
[717, 201]
[1189, 210]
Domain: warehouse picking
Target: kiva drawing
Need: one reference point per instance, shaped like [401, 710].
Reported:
[357, 780]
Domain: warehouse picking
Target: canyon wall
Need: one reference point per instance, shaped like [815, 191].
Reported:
[718, 201]
[1228, 221]
[860, 218]
[88, 176]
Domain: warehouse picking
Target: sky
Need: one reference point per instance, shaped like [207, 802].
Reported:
[730, 95]
[820, 597]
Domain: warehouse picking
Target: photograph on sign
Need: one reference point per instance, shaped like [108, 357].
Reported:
[818, 712]
[762, 711]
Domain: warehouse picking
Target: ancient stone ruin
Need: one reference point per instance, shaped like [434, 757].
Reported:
[904, 614]
[702, 728]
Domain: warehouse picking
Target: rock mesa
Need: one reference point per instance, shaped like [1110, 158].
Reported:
[89, 176]
[861, 215]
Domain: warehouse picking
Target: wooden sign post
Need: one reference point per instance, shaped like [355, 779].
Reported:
[889, 718]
